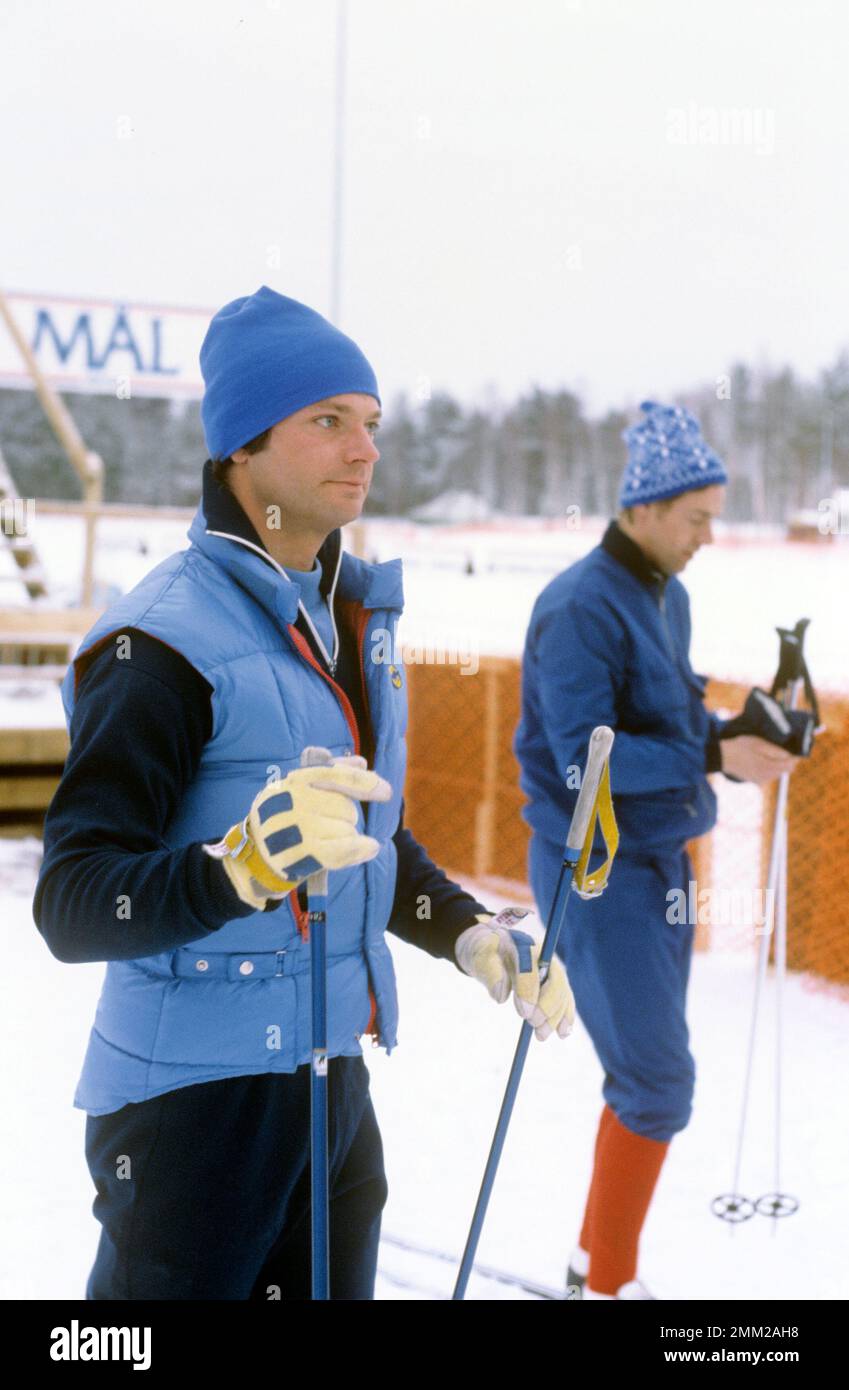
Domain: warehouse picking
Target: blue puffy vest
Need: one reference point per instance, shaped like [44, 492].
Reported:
[238, 1001]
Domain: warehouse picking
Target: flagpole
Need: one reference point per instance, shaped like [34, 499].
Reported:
[338, 162]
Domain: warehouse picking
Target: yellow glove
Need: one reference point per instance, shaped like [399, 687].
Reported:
[297, 825]
[502, 952]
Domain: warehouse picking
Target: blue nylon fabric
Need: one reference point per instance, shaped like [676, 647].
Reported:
[605, 648]
[170, 1020]
[629, 970]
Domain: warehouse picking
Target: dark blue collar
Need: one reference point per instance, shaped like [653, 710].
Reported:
[629, 554]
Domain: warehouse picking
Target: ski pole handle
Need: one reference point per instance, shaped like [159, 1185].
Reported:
[601, 742]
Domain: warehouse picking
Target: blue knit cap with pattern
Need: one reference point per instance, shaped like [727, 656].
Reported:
[264, 357]
[666, 456]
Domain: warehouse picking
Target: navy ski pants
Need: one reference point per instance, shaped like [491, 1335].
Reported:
[628, 968]
[204, 1192]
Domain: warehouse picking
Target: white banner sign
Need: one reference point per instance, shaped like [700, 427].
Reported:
[106, 346]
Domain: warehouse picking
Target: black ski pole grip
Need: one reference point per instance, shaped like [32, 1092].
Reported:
[792, 666]
[601, 742]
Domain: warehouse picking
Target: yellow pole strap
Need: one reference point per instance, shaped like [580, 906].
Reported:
[242, 848]
[590, 885]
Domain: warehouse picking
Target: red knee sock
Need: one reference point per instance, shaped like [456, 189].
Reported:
[626, 1169]
[585, 1240]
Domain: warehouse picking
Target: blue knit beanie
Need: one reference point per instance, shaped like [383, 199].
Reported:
[264, 357]
[666, 456]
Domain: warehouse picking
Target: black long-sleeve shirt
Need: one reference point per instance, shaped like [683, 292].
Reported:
[109, 887]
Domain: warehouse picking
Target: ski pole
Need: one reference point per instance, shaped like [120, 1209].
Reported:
[780, 978]
[576, 855]
[792, 675]
[774, 886]
[319, 1186]
[795, 674]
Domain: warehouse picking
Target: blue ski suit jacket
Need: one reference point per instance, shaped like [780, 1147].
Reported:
[608, 643]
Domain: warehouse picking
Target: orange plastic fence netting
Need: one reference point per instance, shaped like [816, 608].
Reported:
[463, 802]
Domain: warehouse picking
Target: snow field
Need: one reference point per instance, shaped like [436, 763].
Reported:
[437, 1098]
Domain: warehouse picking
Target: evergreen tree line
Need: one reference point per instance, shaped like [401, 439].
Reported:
[785, 443]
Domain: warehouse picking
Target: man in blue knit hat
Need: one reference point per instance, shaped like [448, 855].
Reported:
[608, 643]
[180, 839]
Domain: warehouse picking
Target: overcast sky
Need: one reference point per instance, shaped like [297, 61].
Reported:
[550, 192]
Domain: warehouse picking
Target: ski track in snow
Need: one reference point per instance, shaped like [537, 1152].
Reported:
[437, 1098]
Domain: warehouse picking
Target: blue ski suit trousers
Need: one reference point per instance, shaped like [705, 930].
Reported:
[204, 1192]
[629, 968]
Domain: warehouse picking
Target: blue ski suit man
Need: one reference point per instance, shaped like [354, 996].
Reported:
[189, 702]
[608, 643]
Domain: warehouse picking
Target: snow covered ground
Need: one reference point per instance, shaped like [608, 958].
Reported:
[741, 588]
[437, 1097]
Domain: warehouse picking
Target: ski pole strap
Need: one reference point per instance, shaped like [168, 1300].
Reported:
[588, 885]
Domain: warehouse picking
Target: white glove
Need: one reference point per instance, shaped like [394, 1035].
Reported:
[299, 824]
[502, 952]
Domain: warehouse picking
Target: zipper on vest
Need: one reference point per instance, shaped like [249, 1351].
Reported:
[359, 622]
[301, 915]
[331, 662]
[360, 626]
[303, 648]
